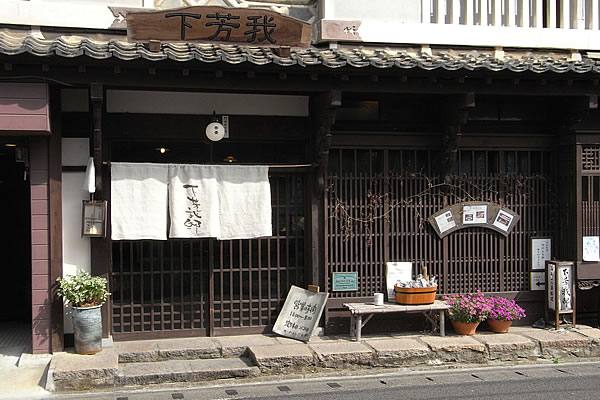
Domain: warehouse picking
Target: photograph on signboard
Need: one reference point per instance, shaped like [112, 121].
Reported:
[503, 220]
[541, 251]
[475, 214]
[445, 221]
[591, 248]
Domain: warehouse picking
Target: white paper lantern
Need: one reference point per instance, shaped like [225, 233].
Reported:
[215, 131]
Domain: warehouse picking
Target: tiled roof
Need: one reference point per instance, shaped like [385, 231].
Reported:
[102, 47]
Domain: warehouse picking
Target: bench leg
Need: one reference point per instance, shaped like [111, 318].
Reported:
[358, 327]
[442, 323]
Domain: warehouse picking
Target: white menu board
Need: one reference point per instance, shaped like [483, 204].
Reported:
[541, 251]
[300, 313]
[396, 271]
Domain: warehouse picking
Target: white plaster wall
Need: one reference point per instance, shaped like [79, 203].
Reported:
[76, 250]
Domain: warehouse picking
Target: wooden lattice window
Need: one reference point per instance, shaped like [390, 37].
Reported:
[590, 159]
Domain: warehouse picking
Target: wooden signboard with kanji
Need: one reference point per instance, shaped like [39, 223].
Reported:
[220, 25]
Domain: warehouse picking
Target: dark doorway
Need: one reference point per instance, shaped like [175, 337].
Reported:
[15, 232]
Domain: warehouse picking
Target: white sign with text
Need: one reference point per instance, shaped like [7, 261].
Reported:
[300, 313]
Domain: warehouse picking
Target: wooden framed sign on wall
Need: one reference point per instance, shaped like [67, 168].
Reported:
[471, 214]
[248, 26]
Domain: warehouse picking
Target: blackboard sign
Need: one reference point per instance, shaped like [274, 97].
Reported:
[300, 313]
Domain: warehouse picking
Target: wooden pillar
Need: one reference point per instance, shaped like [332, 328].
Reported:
[323, 111]
[55, 219]
[455, 112]
[100, 247]
[454, 115]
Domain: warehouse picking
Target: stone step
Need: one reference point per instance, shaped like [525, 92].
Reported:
[172, 349]
[142, 373]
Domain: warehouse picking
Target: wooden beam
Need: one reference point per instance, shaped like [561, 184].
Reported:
[133, 78]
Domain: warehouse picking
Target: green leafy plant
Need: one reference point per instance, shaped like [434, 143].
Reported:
[83, 290]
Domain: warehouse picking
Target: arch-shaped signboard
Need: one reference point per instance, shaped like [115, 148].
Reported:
[471, 214]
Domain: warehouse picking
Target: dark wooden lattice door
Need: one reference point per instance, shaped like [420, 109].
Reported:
[198, 287]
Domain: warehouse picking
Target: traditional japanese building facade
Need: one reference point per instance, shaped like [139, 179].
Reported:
[372, 124]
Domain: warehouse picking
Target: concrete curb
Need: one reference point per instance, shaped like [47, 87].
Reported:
[205, 359]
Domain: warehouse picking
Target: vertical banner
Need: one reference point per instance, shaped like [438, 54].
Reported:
[550, 284]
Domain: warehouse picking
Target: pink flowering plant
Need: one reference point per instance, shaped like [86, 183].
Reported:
[469, 307]
[504, 309]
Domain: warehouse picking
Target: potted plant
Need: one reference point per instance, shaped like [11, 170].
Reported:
[467, 311]
[502, 313]
[86, 294]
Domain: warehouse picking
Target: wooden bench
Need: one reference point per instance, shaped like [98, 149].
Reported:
[357, 310]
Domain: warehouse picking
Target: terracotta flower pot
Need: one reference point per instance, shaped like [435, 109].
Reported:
[499, 326]
[464, 328]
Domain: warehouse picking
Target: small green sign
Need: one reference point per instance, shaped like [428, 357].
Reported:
[345, 281]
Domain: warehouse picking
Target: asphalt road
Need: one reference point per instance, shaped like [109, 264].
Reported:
[560, 381]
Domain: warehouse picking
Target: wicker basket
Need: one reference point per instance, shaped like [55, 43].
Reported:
[415, 296]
